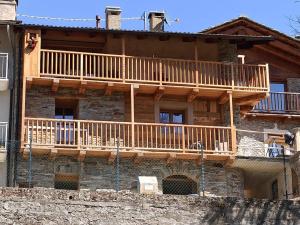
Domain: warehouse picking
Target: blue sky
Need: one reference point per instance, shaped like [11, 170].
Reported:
[194, 15]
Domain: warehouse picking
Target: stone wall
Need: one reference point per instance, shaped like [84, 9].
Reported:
[252, 144]
[98, 174]
[48, 206]
[94, 105]
[293, 85]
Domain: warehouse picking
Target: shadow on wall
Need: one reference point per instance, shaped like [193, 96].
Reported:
[252, 212]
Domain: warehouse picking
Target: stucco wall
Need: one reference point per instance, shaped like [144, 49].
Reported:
[7, 10]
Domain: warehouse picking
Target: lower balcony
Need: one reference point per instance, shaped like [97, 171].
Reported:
[83, 138]
[279, 104]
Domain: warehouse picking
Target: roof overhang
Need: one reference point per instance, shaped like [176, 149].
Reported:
[245, 40]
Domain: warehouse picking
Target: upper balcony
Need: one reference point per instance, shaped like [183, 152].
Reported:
[176, 76]
[278, 104]
[3, 71]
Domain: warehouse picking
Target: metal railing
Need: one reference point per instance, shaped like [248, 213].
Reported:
[3, 135]
[160, 71]
[3, 65]
[82, 134]
[279, 102]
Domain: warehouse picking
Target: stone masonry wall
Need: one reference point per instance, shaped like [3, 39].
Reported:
[98, 174]
[252, 144]
[293, 85]
[49, 206]
[94, 105]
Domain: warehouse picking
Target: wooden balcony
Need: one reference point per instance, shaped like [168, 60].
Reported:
[279, 104]
[141, 140]
[73, 68]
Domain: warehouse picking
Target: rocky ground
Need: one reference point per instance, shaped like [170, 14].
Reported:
[48, 206]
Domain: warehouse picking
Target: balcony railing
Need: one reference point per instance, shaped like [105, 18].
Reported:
[3, 135]
[104, 135]
[131, 69]
[279, 102]
[3, 65]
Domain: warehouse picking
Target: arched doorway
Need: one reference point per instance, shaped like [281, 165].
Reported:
[179, 185]
[295, 184]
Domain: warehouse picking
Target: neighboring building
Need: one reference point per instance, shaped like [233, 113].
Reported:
[7, 72]
[86, 88]
[275, 115]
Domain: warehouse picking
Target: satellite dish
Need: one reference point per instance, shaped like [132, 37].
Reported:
[289, 138]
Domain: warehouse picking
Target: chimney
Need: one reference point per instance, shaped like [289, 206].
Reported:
[113, 18]
[8, 10]
[157, 21]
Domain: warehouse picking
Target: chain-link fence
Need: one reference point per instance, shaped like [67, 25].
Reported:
[164, 173]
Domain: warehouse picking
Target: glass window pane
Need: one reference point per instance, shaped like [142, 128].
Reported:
[178, 118]
[277, 87]
[164, 117]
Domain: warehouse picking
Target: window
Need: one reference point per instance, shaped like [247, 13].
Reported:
[65, 131]
[172, 117]
[3, 65]
[67, 181]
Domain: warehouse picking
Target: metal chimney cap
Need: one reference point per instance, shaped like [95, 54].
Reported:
[156, 13]
[113, 9]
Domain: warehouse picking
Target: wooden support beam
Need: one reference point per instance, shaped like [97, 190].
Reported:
[112, 157]
[159, 93]
[138, 158]
[224, 97]
[250, 100]
[245, 109]
[136, 89]
[53, 154]
[193, 95]
[26, 153]
[81, 155]
[55, 85]
[109, 89]
[28, 82]
[82, 87]
[171, 159]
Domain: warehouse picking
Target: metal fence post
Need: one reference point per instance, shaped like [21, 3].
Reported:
[30, 161]
[202, 178]
[118, 166]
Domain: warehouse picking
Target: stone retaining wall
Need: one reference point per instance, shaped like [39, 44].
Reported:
[49, 206]
[97, 173]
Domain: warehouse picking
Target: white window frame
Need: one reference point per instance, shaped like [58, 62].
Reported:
[4, 127]
[4, 56]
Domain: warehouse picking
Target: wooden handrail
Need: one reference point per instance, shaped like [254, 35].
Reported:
[279, 102]
[162, 71]
[147, 136]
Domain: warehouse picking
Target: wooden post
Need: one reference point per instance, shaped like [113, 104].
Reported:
[123, 59]
[160, 73]
[196, 64]
[78, 134]
[268, 77]
[233, 129]
[132, 115]
[232, 75]
[81, 66]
